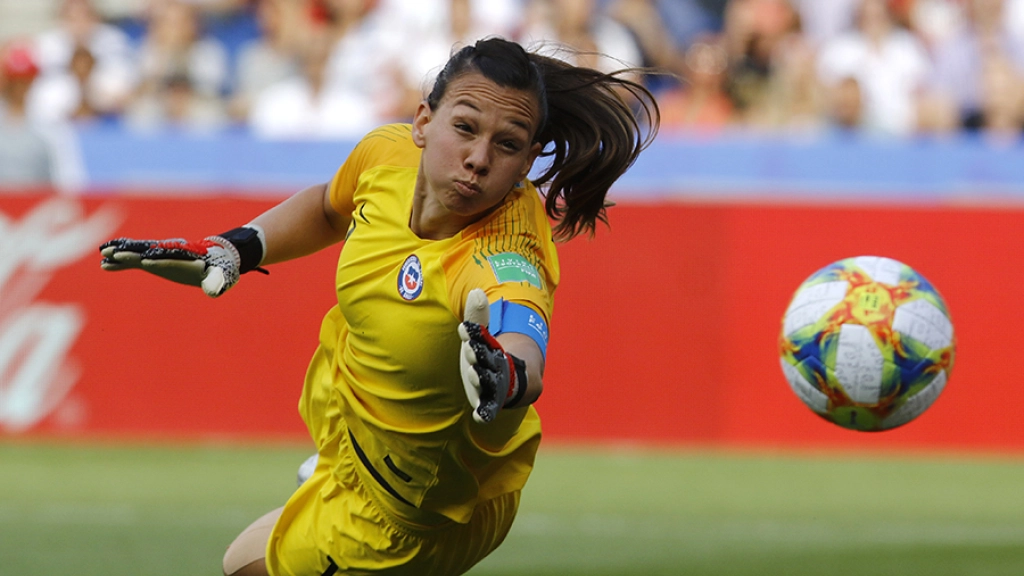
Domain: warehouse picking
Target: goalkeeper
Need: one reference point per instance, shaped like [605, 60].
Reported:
[419, 396]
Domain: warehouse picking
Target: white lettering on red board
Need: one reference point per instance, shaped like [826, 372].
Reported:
[36, 372]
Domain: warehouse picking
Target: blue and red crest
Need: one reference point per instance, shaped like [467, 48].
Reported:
[410, 278]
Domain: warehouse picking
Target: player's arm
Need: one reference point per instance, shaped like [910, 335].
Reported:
[299, 226]
[500, 372]
[526, 349]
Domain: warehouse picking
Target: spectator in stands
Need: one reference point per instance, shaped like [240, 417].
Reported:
[822, 20]
[220, 6]
[577, 32]
[456, 21]
[177, 106]
[845, 105]
[794, 99]
[175, 44]
[1001, 112]
[961, 58]
[753, 30]
[684, 20]
[273, 57]
[441, 26]
[310, 106]
[369, 45]
[700, 103]
[1013, 18]
[68, 95]
[482, 18]
[889, 63]
[25, 156]
[657, 44]
[935, 21]
[87, 67]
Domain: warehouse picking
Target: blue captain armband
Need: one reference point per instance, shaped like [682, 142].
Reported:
[511, 317]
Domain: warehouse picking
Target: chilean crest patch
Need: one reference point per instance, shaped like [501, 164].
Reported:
[410, 278]
[512, 267]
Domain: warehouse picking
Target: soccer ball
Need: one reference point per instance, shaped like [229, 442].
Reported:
[867, 343]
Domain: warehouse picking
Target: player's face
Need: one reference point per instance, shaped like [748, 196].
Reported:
[477, 144]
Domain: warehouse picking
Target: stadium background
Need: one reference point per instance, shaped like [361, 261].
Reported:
[666, 324]
[142, 424]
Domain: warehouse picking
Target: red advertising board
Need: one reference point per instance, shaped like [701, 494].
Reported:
[665, 327]
[115, 354]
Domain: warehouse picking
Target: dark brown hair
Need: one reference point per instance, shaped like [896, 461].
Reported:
[588, 129]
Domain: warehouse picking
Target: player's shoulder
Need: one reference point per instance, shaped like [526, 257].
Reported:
[527, 205]
[521, 224]
[389, 145]
[390, 133]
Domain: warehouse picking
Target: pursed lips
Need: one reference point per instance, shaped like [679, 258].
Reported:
[467, 188]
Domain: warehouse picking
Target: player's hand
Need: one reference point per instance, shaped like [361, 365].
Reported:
[214, 263]
[211, 263]
[490, 375]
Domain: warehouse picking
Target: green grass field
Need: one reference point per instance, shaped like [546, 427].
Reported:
[88, 510]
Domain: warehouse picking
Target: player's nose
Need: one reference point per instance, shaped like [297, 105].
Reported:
[478, 157]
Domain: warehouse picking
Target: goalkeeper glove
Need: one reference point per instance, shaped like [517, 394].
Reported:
[213, 263]
[493, 378]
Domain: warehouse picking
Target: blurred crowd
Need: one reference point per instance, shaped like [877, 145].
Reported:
[334, 68]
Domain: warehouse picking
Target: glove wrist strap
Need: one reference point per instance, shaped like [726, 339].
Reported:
[249, 243]
[517, 385]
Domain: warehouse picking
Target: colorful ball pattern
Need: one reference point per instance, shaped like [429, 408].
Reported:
[867, 343]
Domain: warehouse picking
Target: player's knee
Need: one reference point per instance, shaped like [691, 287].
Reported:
[245, 556]
[243, 560]
[232, 567]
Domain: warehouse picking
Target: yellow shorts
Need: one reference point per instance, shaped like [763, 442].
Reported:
[338, 523]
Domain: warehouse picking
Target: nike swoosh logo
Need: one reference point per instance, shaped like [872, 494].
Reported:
[352, 227]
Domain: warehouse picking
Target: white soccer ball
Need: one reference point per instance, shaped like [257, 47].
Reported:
[867, 343]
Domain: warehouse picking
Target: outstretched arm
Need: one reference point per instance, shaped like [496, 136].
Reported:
[523, 347]
[497, 372]
[301, 225]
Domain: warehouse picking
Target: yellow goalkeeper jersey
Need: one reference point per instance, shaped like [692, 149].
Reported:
[387, 366]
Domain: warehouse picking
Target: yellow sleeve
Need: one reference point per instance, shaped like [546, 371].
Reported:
[388, 145]
[511, 256]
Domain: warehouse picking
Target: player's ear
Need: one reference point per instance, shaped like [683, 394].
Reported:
[419, 122]
[534, 152]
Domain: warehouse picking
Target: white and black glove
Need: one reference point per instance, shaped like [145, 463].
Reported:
[493, 378]
[214, 263]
